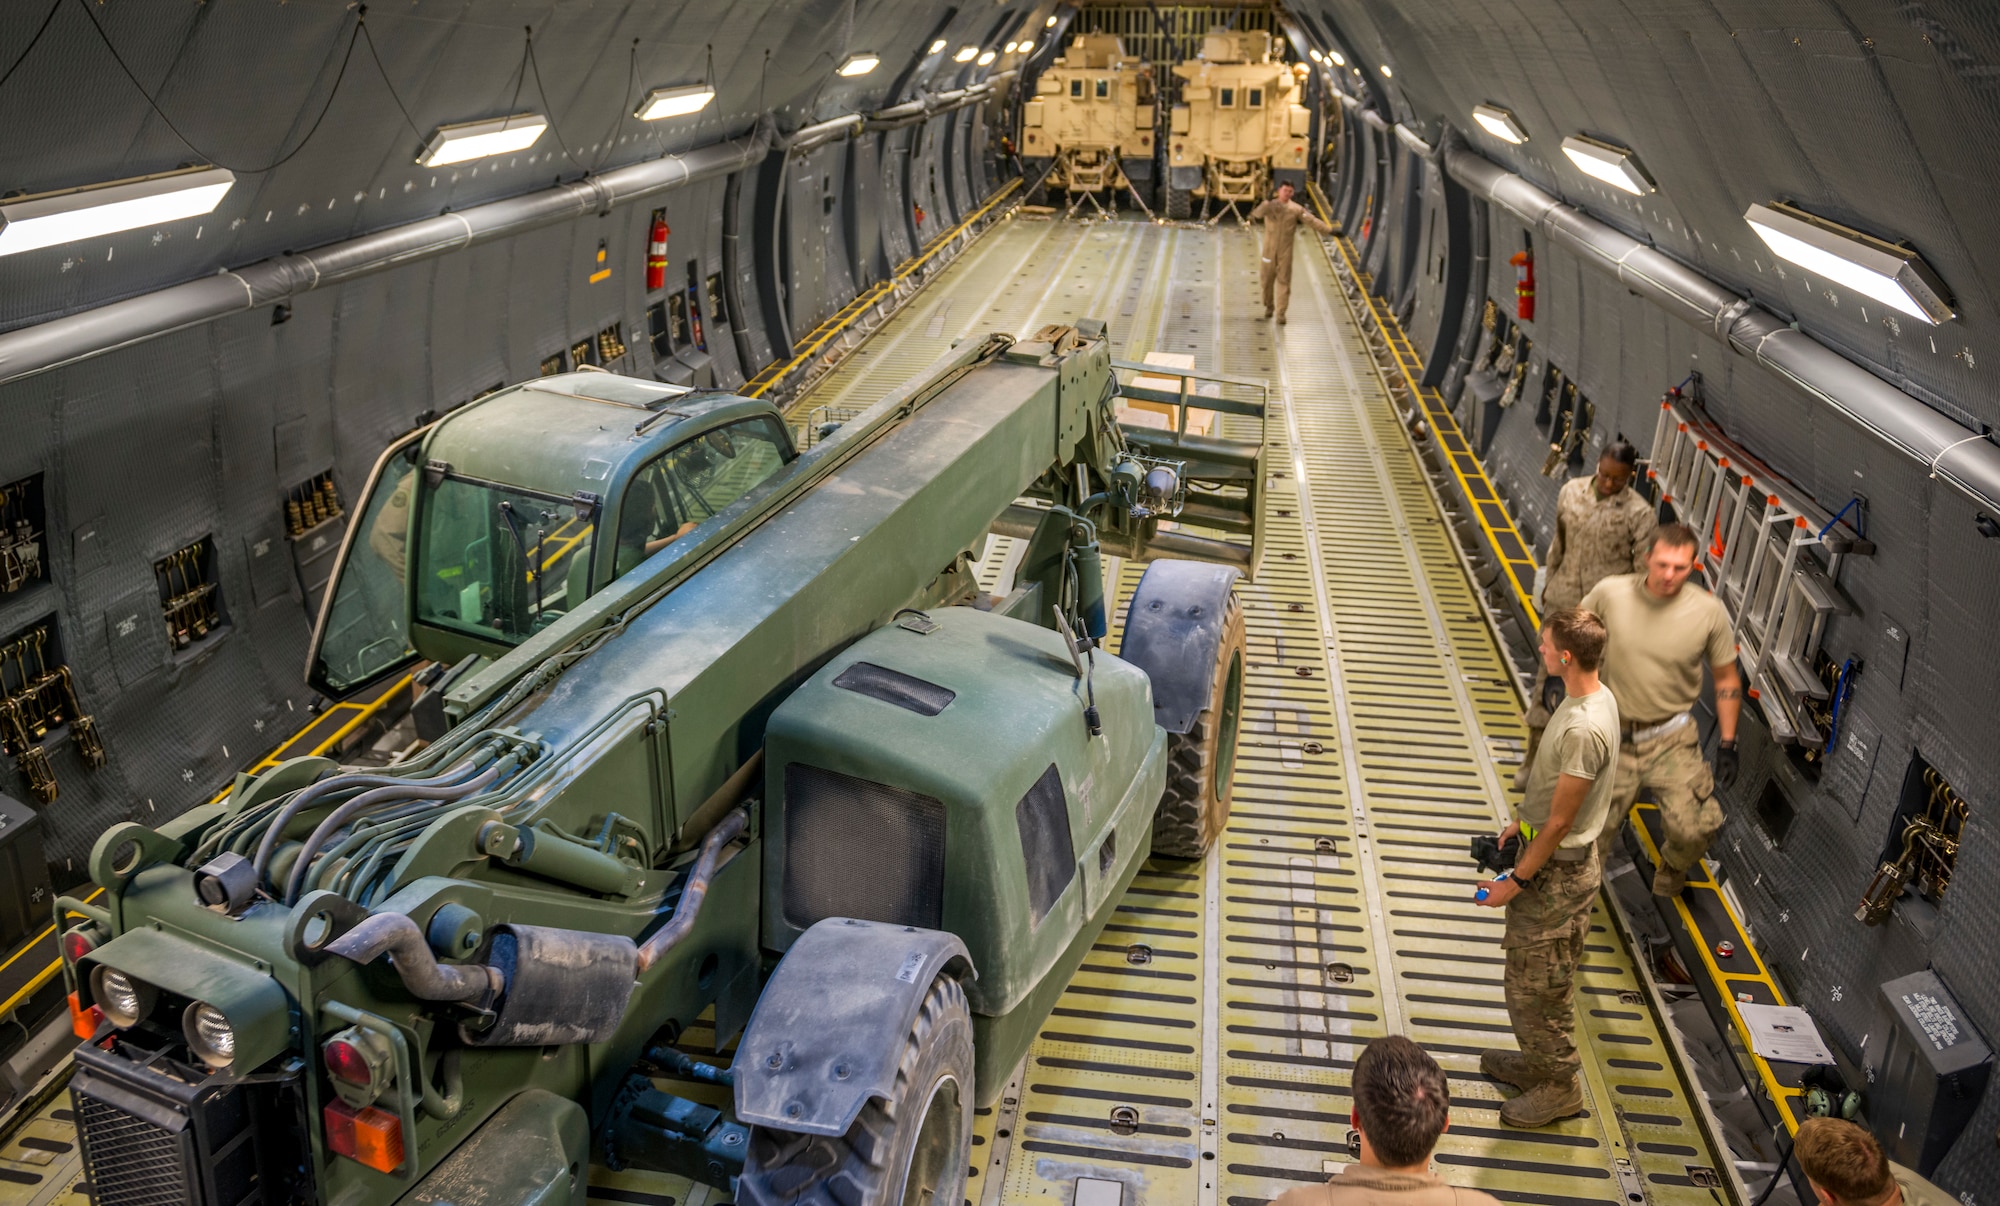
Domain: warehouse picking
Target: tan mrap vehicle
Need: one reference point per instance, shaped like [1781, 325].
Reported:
[1239, 129]
[1090, 122]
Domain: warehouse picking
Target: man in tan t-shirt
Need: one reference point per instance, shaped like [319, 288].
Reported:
[1549, 892]
[1663, 632]
[1402, 1103]
[1845, 1167]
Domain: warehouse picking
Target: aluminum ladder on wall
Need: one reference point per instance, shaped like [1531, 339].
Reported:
[1758, 535]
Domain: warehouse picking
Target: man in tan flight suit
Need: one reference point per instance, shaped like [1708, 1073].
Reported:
[1845, 1167]
[1402, 1103]
[1663, 631]
[1549, 892]
[1281, 216]
[1602, 528]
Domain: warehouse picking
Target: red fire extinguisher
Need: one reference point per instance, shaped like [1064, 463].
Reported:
[1524, 284]
[656, 253]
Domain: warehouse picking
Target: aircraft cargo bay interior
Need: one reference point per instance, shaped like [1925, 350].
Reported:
[1107, 604]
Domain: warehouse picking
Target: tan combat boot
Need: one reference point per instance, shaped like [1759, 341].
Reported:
[1509, 1068]
[1668, 882]
[1543, 1104]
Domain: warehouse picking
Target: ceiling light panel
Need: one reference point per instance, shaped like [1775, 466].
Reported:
[1339, 59]
[1892, 275]
[936, 46]
[965, 54]
[482, 139]
[1499, 123]
[1615, 165]
[860, 64]
[986, 57]
[680, 101]
[47, 219]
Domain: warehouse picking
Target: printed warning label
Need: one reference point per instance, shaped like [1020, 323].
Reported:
[914, 963]
[1939, 1026]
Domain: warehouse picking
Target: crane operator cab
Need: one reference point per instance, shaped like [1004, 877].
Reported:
[489, 525]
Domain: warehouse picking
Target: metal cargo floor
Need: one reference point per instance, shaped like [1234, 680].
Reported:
[1381, 726]
[1380, 731]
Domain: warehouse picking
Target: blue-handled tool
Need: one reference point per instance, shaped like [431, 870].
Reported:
[1480, 895]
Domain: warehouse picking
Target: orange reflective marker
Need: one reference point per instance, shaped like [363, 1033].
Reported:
[370, 1135]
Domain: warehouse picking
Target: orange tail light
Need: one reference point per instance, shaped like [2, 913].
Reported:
[369, 1135]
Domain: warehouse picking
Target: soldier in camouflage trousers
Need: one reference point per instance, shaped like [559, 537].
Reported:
[1549, 892]
[1544, 944]
[1684, 786]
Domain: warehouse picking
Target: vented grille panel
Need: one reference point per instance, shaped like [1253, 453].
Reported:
[1043, 818]
[857, 848]
[132, 1162]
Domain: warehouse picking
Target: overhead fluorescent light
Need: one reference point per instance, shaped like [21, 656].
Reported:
[1386, 73]
[1026, 46]
[1614, 165]
[986, 58]
[1315, 55]
[674, 102]
[860, 64]
[1892, 275]
[1051, 22]
[1499, 123]
[1009, 48]
[482, 139]
[965, 54]
[936, 46]
[1339, 59]
[46, 219]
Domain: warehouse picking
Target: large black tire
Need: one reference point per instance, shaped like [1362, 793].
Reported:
[1179, 203]
[1202, 762]
[914, 1149]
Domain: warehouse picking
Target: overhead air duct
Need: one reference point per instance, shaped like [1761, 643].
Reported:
[75, 337]
[1956, 454]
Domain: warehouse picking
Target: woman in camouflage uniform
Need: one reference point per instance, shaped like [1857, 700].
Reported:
[1603, 527]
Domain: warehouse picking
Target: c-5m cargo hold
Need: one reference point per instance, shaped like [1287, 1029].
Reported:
[725, 726]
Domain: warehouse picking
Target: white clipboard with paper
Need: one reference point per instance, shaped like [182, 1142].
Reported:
[1785, 1033]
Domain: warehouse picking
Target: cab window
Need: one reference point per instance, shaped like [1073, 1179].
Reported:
[500, 562]
[363, 631]
[1254, 99]
[1103, 89]
[1226, 98]
[692, 481]
[1076, 89]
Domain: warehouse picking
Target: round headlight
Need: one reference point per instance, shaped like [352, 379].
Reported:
[209, 1035]
[123, 999]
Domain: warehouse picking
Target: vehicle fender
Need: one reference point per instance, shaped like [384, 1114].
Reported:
[521, 1156]
[1173, 627]
[828, 1032]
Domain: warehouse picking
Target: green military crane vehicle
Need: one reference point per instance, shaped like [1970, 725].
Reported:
[713, 724]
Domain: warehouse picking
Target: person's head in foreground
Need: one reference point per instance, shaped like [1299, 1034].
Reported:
[1285, 191]
[1401, 1104]
[1844, 1164]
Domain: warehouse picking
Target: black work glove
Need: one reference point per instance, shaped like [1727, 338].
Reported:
[1726, 764]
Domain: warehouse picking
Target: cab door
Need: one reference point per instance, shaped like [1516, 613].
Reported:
[363, 631]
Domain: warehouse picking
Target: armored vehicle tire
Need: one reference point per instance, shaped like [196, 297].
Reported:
[1202, 761]
[912, 1149]
[1179, 205]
